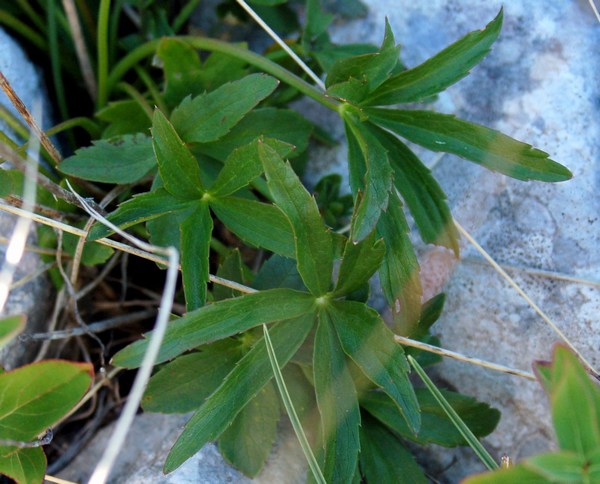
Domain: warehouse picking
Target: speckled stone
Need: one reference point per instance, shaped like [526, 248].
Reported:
[33, 298]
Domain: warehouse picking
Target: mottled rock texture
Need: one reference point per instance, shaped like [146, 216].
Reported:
[33, 298]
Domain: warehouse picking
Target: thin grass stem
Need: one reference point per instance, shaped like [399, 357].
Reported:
[464, 430]
[286, 48]
[102, 51]
[291, 411]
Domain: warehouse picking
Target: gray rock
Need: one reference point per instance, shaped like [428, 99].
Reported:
[33, 298]
[538, 85]
[152, 436]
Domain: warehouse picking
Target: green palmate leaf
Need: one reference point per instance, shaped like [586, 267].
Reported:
[196, 232]
[485, 146]
[122, 159]
[436, 427]
[421, 193]
[11, 327]
[399, 273]
[377, 177]
[329, 54]
[383, 456]
[23, 465]
[207, 117]
[34, 397]
[439, 72]
[576, 420]
[313, 242]
[181, 66]
[178, 168]
[370, 344]
[338, 405]
[218, 321]
[251, 373]
[243, 165]
[125, 117]
[373, 68]
[256, 223]
[247, 442]
[141, 208]
[183, 384]
[359, 263]
[282, 124]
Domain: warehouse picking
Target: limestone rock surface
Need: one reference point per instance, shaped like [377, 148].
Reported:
[31, 298]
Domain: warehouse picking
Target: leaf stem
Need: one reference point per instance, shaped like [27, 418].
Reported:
[233, 50]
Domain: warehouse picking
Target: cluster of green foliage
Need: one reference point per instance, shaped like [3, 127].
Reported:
[222, 148]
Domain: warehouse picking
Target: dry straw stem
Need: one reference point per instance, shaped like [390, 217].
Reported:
[80, 48]
[29, 119]
[457, 356]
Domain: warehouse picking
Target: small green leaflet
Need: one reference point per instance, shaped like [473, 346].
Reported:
[243, 165]
[338, 404]
[181, 66]
[256, 223]
[178, 167]
[360, 261]
[196, 232]
[399, 272]
[220, 320]
[122, 159]
[377, 179]
[183, 384]
[250, 374]
[247, 442]
[141, 208]
[436, 427]
[370, 344]
[382, 455]
[282, 124]
[421, 193]
[209, 116]
[313, 241]
[436, 74]
[485, 146]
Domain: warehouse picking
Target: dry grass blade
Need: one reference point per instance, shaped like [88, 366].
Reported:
[316, 79]
[82, 54]
[457, 356]
[29, 119]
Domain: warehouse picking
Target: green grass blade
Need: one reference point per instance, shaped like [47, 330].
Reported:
[291, 411]
[102, 45]
[473, 442]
